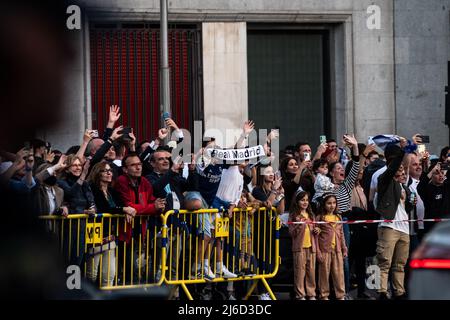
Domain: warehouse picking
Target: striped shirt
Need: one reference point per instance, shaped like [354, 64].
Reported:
[344, 192]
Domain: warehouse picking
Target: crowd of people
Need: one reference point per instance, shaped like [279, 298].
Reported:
[350, 181]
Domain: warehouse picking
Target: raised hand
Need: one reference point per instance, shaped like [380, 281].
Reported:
[249, 125]
[171, 124]
[115, 134]
[333, 156]
[436, 168]
[350, 140]
[417, 139]
[49, 157]
[21, 154]
[369, 148]
[114, 115]
[277, 183]
[88, 135]
[273, 135]
[162, 133]
[61, 163]
[322, 148]
[403, 142]
[133, 138]
[178, 164]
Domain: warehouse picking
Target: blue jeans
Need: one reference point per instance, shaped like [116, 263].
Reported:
[219, 204]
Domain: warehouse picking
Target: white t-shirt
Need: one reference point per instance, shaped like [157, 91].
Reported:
[231, 185]
[401, 214]
[374, 183]
[420, 208]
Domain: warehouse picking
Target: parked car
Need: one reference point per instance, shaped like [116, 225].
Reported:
[430, 266]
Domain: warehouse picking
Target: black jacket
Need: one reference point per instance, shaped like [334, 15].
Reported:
[102, 204]
[389, 191]
[78, 197]
[100, 155]
[436, 199]
[177, 183]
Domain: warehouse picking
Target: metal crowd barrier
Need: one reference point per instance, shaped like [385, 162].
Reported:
[171, 248]
[98, 245]
[249, 245]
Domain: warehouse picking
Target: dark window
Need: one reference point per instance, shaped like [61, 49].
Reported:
[288, 81]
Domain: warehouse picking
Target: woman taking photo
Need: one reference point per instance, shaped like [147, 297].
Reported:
[79, 199]
[291, 174]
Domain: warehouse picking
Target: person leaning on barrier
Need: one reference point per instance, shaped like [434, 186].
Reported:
[195, 201]
[167, 180]
[80, 200]
[168, 183]
[107, 200]
[135, 191]
[271, 193]
[48, 197]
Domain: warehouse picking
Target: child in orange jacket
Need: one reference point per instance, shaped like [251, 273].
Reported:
[304, 244]
[331, 249]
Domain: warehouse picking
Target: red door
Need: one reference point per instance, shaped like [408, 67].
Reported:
[125, 71]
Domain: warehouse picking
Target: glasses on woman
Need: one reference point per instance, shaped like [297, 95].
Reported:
[106, 171]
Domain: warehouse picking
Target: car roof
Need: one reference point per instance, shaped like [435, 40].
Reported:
[439, 235]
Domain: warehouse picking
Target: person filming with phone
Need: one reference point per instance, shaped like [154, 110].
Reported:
[434, 189]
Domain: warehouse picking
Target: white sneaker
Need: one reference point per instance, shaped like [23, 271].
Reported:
[208, 274]
[226, 273]
[265, 296]
[312, 298]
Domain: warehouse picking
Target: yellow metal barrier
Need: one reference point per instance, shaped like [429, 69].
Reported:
[179, 248]
[203, 246]
[111, 252]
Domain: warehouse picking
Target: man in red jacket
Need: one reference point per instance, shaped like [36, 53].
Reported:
[137, 192]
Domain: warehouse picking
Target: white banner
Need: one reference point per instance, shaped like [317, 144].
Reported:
[237, 154]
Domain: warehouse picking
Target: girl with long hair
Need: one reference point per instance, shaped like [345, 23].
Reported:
[304, 244]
